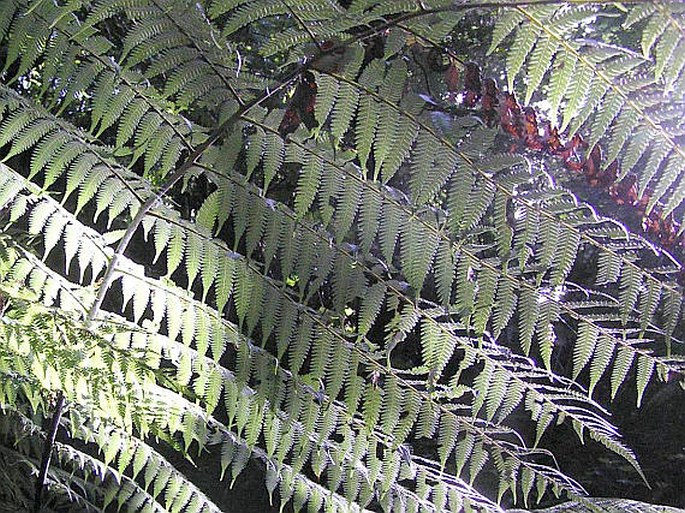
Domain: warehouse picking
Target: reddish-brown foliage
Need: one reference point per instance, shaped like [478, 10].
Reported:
[524, 126]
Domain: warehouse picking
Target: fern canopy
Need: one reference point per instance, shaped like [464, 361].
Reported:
[283, 233]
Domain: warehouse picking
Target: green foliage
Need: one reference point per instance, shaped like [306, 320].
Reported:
[640, 102]
[366, 308]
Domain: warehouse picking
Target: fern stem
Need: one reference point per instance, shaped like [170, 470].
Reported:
[481, 351]
[485, 176]
[111, 66]
[525, 203]
[401, 295]
[474, 427]
[304, 25]
[47, 453]
[671, 20]
[171, 181]
[189, 162]
[521, 283]
[226, 83]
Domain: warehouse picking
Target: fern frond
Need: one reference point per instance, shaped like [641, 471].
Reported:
[582, 74]
[318, 302]
[564, 263]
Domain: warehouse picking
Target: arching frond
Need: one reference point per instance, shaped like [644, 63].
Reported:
[638, 120]
[271, 231]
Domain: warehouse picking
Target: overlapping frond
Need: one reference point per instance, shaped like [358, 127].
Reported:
[640, 121]
[360, 272]
[248, 410]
